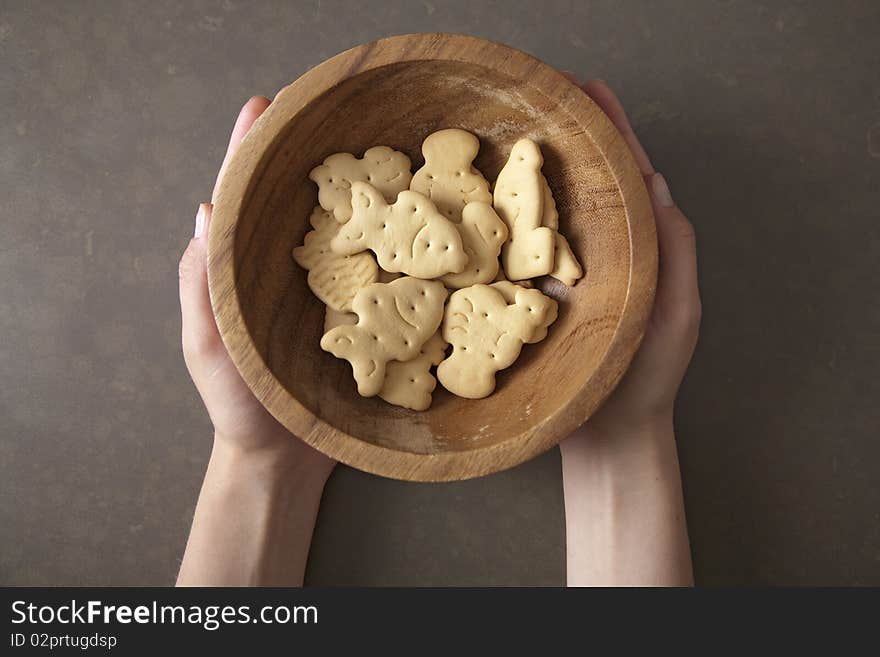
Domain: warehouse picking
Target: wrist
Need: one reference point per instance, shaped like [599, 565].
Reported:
[648, 443]
[283, 464]
[624, 512]
[608, 426]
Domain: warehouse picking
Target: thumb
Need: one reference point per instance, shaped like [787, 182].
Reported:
[200, 334]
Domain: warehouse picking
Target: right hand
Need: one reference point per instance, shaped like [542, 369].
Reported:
[646, 394]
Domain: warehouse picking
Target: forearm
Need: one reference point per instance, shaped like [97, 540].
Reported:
[624, 509]
[253, 520]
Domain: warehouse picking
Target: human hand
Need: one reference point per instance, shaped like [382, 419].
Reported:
[624, 510]
[646, 394]
[241, 423]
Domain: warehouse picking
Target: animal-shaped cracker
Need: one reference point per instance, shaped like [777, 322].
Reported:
[409, 236]
[384, 168]
[482, 234]
[410, 383]
[519, 201]
[508, 291]
[394, 321]
[448, 177]
[334, 318]
[487, 335]
[334, 278]
[566, 267]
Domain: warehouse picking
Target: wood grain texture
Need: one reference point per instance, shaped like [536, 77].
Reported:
[394, 92]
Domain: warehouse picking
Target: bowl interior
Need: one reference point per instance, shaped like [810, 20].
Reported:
[398, 105]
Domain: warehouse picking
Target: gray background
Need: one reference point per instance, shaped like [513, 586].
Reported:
[765, 118]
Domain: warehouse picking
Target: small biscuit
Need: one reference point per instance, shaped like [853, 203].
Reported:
[334, 318]
[566, 267]
[487, 335]
[482, 234]
[409, 236]
[384, 168]
[448, 177]
[508, 291]
[334, 278]
[410, 383]
[519, 201]
[394, 321]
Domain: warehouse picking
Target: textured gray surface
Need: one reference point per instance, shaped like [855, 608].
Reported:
[765, 118]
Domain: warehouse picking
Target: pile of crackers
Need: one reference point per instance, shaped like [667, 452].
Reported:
[410, 264]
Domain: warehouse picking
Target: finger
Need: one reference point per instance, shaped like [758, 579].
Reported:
[200, 332]
[571, 76]
[677, 288]
[606, 99]
[249, 113]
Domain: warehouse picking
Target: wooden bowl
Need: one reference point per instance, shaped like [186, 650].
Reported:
[395, 92]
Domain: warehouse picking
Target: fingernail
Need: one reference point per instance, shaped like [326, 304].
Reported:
[200, 220]
[661, 191]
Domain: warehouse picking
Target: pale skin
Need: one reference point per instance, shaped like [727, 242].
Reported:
[256, 511]
[624, 510]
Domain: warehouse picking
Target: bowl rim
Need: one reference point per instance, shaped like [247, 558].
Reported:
[233, 193]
